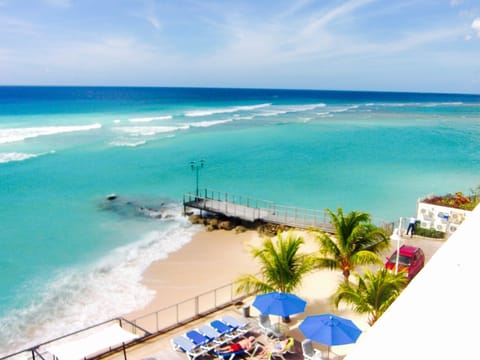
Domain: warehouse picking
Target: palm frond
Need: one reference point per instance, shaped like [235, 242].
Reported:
[282, 267]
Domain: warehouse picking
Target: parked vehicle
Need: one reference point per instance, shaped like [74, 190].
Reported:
[411, 259]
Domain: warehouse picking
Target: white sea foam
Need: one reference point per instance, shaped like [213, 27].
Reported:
[117, 121]
[271, 113]
[79, 297]
[286, 109]
[127, 143]
[17, 156]
[209, 123]
[299, 108]
[245, 117]
[344, 109]
[418, 104]
[208, 112]
[148, 130]
[18, 134]
[324, 114]
[150, 119]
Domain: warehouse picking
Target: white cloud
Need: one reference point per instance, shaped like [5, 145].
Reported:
[154, 21]
[454, 3]
[148, 13]
[476, 26]
[338, 12]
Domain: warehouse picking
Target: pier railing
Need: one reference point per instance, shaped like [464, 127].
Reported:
[252, 209]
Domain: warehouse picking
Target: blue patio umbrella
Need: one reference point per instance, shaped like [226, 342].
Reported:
[330, 330]
[278, 303]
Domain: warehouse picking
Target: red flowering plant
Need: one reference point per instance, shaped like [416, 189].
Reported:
[457, 200]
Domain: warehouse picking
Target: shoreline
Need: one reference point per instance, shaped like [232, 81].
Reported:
[209, 260]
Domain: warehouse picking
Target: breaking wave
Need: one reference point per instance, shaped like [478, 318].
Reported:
[208, 112]
[10, 135]
[79, 297]
[18, 156]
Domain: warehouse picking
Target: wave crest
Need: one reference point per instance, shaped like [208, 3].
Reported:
[150, 119]
[10, 135]
[208, 112]
[17, 156]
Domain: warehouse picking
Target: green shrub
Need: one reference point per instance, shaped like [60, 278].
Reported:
[431, 233]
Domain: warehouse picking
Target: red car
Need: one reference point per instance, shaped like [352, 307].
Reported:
[411, 259]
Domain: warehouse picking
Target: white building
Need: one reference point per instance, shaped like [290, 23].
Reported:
[440, 218]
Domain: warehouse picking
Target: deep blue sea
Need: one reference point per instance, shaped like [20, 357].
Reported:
[70, 258]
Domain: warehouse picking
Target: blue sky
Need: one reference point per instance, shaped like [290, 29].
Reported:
[392, 45]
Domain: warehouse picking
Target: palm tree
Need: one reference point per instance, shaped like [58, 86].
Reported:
[373, 293]
[282, 267]
[357, 242]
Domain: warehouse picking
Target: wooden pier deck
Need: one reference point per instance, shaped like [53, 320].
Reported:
[250, 209]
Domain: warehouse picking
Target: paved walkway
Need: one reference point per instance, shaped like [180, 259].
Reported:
[160, 348]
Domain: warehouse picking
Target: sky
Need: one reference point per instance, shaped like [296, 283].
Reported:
[383, 45]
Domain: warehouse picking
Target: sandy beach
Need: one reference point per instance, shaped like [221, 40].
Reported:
[213, 259]
[210, 260]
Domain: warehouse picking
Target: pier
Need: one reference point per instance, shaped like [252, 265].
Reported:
[251, 209]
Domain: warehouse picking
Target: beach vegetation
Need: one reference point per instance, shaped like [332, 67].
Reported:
[457, 200]
[431, 233]
[371, 293]
[282, 266]
[356, 242]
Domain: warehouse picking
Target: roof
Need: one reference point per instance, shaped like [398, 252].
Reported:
[88, 344]
[408, 250]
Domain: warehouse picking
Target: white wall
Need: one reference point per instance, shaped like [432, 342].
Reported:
[438, 314]
[440, 218]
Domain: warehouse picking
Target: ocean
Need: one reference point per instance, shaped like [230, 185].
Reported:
[70, 258]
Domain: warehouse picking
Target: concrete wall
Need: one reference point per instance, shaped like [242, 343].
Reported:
[441, 218]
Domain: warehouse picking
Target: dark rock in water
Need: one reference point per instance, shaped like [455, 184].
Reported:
[130, 207]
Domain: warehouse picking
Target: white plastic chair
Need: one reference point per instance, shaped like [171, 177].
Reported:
[309, 352]
[266, 326]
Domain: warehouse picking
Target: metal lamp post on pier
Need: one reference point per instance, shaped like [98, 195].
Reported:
[196, 167]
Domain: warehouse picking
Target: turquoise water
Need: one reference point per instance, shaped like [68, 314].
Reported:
[70, 258]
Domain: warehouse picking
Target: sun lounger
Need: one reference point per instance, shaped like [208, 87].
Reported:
[181, 343]
[200, 340]
[240, 326]
[256, 345]
[230, 355]
[224, 329]
[213, 334]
